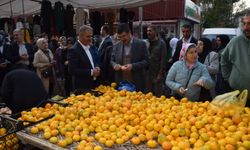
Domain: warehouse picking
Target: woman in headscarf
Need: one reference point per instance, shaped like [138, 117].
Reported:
[221, 86]
[211, 60]
[186, 77]
[44, 63]
[221, 42]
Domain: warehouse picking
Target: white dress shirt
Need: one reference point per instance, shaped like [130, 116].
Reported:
[1, 49]
[23, 50]
[86, 49]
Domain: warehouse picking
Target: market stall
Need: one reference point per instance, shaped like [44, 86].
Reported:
[111, 119]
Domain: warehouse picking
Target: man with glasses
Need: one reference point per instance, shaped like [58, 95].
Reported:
[130, 58]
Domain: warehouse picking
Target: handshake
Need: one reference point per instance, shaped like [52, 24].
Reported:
[126, 67]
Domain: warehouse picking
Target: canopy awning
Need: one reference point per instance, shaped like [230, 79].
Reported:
[10, 8]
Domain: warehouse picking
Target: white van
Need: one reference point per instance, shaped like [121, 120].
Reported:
[211, 33]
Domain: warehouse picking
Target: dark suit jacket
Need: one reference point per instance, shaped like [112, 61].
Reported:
[80, 66]
[3, 57]
[139, 61]
[106, 43]
[15, 57]
[104, 53]
[179, 47]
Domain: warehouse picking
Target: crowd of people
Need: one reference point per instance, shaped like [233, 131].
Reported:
[186, 67]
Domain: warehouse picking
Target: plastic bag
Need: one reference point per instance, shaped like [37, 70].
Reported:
[126, 85]
[230, 101]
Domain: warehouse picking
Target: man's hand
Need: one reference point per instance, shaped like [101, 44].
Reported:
[158, 78]
[5, 110]
[170, 60]
[66, 63]
[117, 67]
[3, 65]
[24, 56]
[127, 67]
[96, 71]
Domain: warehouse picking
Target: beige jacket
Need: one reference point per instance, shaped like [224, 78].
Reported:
[40, 63]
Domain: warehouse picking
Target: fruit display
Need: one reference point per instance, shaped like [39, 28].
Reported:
[121, 117]
[9, 142]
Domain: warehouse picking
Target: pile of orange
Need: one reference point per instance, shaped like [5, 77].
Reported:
[9, 142]
[117, 117]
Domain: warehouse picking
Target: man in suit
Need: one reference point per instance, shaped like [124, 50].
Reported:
[187, 38]
[83, 61]
[104, 52]
[21, 53]
[130, 58]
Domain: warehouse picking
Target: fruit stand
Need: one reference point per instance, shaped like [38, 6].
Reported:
[135, 121]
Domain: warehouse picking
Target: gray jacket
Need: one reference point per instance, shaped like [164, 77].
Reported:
[139, 61]
[178, 77]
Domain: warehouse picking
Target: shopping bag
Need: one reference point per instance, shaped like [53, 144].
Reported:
[126, 85]
[231, 101]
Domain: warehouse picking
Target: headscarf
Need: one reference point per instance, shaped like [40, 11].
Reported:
[184, 50]
[224, 41]
[172, 44]
[207, 46]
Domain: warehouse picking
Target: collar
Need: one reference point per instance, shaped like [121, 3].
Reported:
[191, 66]
[1, 48]
[188, 41]
[23, 43]
[105, 37]
[85, 47]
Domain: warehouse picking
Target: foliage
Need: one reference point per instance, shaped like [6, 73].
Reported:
[218, 13]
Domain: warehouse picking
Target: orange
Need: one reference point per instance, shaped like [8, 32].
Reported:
[246, 144]
[98, 148]
[69, 140]
[62, 143]
[136, 140]
[119, 141]
[109, 143]
[33, 130]
[53, 139]
[151, 143]
[76, 138]
[46, 135]
[166, 145]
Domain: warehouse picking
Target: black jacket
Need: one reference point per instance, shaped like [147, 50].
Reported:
[15, 57]
[4, 56]
[179, 47]
[22, 89]
[104, 53]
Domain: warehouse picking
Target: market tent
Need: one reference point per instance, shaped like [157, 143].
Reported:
[13, 8]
